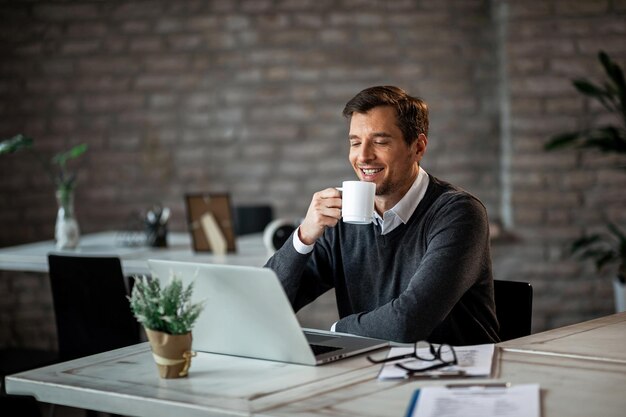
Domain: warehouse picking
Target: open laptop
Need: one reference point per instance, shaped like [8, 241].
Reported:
[247, 313]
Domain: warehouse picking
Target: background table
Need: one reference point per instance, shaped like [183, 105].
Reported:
[33, 257]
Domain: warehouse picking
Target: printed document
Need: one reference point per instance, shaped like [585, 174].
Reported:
[476, 401]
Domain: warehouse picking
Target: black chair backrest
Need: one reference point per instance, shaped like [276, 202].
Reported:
[92, 312]
[252, 219]
[514, 305]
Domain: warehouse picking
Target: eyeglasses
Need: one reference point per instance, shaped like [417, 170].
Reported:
[424, 351]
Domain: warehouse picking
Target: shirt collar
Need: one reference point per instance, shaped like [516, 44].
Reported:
[405, 208]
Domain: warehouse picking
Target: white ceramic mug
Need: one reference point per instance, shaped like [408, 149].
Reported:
[357, 206]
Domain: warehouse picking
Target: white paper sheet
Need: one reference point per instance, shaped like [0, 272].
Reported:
[473, 361]
[477, 401]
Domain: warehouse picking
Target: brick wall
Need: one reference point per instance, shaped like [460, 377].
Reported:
[245, 97]
[559, 195]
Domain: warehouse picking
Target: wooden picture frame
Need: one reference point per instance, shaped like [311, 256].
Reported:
[216, 206]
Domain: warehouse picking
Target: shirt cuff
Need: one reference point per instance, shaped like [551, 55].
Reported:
[301, 248]
[332, 328]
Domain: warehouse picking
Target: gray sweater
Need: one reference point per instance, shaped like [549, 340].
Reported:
[428, 279]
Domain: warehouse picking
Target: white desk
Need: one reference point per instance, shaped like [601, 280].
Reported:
[569, 388]
[602, 339]
[33, 257]
[125, 381]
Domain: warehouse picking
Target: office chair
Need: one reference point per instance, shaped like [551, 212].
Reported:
[92, 312]
[252, 219]
[514, 304]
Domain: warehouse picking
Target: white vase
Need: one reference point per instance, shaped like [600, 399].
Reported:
[66, 231]
[619, 290]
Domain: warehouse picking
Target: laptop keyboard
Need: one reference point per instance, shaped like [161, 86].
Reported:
[319, 349]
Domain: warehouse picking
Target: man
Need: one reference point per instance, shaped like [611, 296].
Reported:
[422, 269]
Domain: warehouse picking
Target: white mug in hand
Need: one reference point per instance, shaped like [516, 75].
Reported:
[357, 205]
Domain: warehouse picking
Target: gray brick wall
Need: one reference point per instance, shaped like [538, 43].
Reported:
[245, 97]
[559, 195]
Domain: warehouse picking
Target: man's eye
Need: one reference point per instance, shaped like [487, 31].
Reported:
[353, 144]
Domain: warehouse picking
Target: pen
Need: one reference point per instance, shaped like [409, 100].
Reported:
[438, 375]
[485, 385]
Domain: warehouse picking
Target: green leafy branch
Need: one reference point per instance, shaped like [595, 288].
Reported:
[168, 309]
[61, 176]
[603, 249]
[611, 94]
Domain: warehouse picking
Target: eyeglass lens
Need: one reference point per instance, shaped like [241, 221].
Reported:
[446, 354]
[425, 351]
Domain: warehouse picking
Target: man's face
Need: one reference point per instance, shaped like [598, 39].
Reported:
[379, 154]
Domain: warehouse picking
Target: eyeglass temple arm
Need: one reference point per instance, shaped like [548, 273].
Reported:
[428, 368]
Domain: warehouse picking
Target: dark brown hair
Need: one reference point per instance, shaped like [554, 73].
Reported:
[412, 112]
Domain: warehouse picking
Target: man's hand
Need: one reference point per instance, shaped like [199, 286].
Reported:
[324, 211]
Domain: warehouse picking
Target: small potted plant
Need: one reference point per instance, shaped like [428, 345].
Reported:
[168, 315]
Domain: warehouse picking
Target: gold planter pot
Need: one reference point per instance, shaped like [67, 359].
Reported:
[172, 353]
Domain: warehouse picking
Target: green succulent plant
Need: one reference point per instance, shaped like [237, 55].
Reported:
[165, 309]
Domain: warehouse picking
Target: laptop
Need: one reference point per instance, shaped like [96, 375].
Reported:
[247, 313]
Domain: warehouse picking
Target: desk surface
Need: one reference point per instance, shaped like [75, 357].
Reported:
[569, 388]
[32, 257]
[223, 385]
[602, 339]
[125, 381]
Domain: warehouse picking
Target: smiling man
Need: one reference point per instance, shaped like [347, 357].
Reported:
[422, 269]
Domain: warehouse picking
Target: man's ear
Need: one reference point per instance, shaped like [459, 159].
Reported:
[421, 144]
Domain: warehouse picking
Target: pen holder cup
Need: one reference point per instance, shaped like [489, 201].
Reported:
[156, 235]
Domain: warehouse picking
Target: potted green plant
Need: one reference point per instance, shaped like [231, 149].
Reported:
[67, 232]
[603, 248]
[167, 315]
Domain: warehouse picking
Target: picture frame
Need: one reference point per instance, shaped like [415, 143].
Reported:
[217, 208]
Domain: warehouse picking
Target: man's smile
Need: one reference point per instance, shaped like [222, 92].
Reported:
[369, 172]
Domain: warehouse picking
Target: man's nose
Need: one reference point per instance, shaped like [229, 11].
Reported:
[366, 152]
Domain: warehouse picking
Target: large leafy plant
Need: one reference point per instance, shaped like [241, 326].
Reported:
[165, 309]
[608, 247]
[611, 94]
[604, 249]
